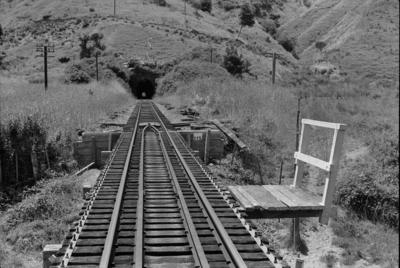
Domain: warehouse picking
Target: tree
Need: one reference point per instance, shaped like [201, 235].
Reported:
[234, 63]
[206, 5]
[91, 45]
[320, 45]
[246, 17]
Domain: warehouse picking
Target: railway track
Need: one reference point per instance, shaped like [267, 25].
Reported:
[155, 206]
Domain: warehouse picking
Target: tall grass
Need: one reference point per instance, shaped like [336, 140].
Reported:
[62, 109]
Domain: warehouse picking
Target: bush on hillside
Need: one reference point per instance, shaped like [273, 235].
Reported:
[371, 187]
[287, 43]
[90, 45]
[75, 74]
[19, 140]
[235, 63]
[246, 17]
[206, 5]
[261, 8]
[268, 26]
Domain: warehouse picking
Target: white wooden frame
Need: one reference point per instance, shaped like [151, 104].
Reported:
[331, 166]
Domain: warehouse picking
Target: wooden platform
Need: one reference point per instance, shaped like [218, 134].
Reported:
[276, 201]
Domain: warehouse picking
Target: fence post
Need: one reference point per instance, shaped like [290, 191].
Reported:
[94, 151]
[304, 140]
[331, 179]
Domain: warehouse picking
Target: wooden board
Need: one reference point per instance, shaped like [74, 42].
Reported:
[253, 197]
[230, 134]
[276, 201]
[295, 198]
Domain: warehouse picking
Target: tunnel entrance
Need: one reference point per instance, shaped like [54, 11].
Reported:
[145, 89]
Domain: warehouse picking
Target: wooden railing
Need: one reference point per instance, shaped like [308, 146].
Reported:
[330, 166]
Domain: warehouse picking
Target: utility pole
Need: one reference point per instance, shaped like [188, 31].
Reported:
[44, 49]
[186, 24]
[211, 51]
[97, 66]
[115, 7]
[273, 67]
[274, 57]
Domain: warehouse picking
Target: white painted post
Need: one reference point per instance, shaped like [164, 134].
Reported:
[304, 141]
[331, 180]
[48, 251]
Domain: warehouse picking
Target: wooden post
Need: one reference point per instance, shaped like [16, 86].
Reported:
[1, 174]
[233, 153]
[109, 141]
[35, 164]
[206, 146]
[115, 8]
[296, 233]
[211, 51]
[94, 151]
[304, 141]
[280, 173]
[47, 157]
[97, 67]
[273, 67]
[331, 179]
[48, 251]
[45, 67]
[16, 168]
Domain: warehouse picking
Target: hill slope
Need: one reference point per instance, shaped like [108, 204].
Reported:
[361, 36]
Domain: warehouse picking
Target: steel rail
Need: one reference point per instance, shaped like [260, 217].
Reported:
[108, 245]
[138, 252]
[79, 227]
[229, 245]
[198, 250]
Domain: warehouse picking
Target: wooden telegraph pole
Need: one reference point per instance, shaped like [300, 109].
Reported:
[115, 4]
[274, 57]
[97, 65]
[44, 49]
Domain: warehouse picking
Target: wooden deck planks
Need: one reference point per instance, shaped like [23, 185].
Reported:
[275, 198]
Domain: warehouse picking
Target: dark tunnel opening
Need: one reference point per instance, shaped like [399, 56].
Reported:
[144, 89]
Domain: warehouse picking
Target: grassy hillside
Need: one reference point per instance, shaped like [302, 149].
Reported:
[361, 37]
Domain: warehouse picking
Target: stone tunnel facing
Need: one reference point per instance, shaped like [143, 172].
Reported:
[143, 89]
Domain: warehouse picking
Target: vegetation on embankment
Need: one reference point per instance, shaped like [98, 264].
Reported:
[42, 217]
[45, 124]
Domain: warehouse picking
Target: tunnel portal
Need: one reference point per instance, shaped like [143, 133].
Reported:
[144, 88]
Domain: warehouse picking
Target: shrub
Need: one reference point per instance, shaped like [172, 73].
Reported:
[206, 5]
[75, 74]
[268, 25]
[234, 63]
[367, 197]
[320, 45]
[90, 45]
[64, 59]
[246, 17]
[261, 8]
[288, 43]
